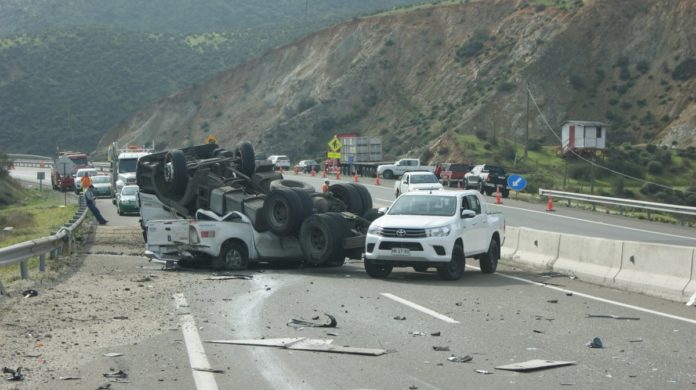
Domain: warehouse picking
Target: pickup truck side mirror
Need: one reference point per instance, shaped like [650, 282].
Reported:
[382, 210]
[468, 214]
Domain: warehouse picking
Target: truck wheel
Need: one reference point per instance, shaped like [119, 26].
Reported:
[377, 271]
[388, 174]
[506, 193]
[292, 184]
[421, 268]
[489, 261]
[175, 176]
[364, 195]
[454, 270]
[488, 191]
[321, 237]
[349, 196]
[244, 154]
[285, 209]
[233, 255]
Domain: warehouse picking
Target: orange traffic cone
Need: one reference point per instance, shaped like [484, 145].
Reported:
[498, 199]
[338, 174]
[323, 174]
[297, 170]
[312, 173]
[377, 180]
[549, 205]
[355, 178]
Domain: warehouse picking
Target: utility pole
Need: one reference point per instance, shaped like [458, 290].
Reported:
[592, 180]
[526, 131]
[65, 193]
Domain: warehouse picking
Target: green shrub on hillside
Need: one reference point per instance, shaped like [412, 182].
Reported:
[685, 70]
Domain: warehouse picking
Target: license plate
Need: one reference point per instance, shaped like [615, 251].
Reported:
[400, 252]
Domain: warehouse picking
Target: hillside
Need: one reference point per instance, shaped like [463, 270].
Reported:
[421, 78]
[69, 70]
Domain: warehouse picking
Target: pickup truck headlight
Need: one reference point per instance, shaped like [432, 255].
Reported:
[193, 236]
[374, 229]
[442, 231]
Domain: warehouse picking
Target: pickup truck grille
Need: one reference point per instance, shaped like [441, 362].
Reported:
[388, 245]
[403, 233]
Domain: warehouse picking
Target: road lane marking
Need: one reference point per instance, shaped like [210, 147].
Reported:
[597, 222]
[420, 308]
[588, 296]
[204, 380]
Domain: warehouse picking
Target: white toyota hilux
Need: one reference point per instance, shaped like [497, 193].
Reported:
[425, 229]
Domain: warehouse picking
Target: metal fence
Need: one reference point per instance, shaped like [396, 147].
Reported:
[63, 242]
[624, 203]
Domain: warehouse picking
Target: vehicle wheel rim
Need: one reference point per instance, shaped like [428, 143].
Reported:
[280, 213]
[168, 172]
[233, 259]
[317, 240]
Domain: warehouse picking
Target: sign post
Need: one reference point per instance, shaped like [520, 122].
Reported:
[40, 176]
[65, 193]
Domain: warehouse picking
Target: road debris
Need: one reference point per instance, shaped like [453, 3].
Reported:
[120, 374]
[29, 293]
[484, 372]
[113, 354]
[595, 343]
[435, 334]
[400, 318]
[213, 370]
[538, 331]
[552, 301]
[230, 276]
[413, 387]
[302, 323]
[638, 340]
[142, 280]
[535, 364]
[105, 386]
[439, 348]
[304, 344]
[612, 316]
[417, 333]
[120, 318]
[15, 375]
[460, 359]
[69, 378]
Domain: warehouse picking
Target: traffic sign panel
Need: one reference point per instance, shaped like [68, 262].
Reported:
[333, 155]
[516, 182]
[335, 145]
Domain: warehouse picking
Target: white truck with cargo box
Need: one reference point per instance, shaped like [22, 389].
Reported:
[232, 211]
[425, 229]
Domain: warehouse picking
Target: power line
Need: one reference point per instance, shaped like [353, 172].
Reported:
[543, 117]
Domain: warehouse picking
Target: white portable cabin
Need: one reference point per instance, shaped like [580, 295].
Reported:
[583, 137]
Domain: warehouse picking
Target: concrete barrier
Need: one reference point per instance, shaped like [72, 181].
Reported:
[659, 270]
[537, 248]
[591, 259]
[689, 295]
[512, 238]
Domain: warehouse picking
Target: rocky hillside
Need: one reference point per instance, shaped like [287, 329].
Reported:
[418, 78]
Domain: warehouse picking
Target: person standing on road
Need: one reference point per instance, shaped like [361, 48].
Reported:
[90, 200]
[325, 186]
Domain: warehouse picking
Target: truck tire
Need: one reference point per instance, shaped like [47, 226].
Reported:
[388, 174]
[364, 195]
[489, 191]
[321, 238]
[285, 209]
[175, 176]
[292, 184]
[244, 154]
[377, 271]
[349, 196]
[489, 261]
[233, 256]
[454, 270]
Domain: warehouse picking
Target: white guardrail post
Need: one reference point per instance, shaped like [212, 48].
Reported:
[636, 204]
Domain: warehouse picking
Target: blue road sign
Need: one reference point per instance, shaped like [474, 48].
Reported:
[350, 159]
[516, 182]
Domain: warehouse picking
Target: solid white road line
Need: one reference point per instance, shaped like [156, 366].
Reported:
[204, 380]
[420, 308]
[588, 296]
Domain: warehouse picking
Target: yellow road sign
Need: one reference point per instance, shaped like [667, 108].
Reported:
[333, 155]
[335, 145]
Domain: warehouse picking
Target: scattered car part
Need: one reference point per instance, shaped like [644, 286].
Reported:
[332, 323]
[304, 344]
[460, 359]
[535, 364]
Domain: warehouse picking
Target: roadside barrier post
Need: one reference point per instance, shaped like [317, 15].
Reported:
[24, 272]
[42, 263]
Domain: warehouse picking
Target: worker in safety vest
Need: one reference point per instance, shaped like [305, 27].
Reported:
[325, 186]
[86, 182]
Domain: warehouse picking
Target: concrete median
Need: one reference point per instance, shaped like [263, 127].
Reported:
[689, 295]
[595, 260]
[659, 270]
[537, 248]
[512, 238]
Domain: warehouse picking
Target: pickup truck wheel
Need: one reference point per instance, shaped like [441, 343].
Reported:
[175, 176]
[388, 174]
[350, 196]
[506, 193]
[233, 255]
[489, 261]
[292, 184]
[454, 270]
[377, 271]
[489, 192]
[285, 209]
[421, 268]
[244, 154]
[321, 238]
[364, 195]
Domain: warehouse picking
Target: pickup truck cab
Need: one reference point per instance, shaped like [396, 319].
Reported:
[435, 229]
[486, 179]
[414, 181]
[391, 171]
[280, 161]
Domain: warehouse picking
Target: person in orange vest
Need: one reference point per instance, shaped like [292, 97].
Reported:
[86, 182]
[325, 186]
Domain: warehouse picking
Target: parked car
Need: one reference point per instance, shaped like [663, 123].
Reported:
[424, 229]
[280, 161]
[414, 181]
[80, 173]
[487, 178]
[307, 165]
[453, 173]
[102, 185]
[127, 200]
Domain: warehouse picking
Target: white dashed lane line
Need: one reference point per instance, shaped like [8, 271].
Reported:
[204, 380]
[420, 308]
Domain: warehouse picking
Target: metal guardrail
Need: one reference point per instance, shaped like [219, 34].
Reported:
[60, 241]
[629, 203]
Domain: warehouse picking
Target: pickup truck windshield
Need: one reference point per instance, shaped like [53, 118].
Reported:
[424, 205]
[418, 179]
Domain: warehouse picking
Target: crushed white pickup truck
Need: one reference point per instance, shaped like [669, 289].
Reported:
[435, 229]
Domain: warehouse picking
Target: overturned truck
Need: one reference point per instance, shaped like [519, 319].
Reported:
[208, 203]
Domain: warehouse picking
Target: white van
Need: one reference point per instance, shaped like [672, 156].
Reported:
[280, 161]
